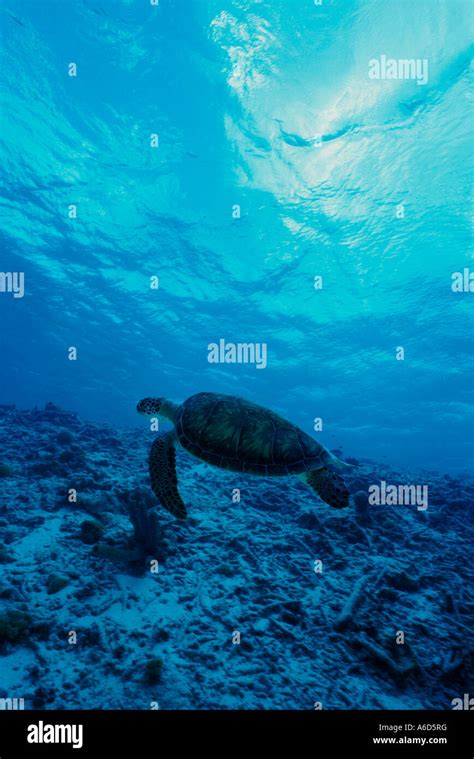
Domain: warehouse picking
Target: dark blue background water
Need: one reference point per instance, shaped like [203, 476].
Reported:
[237, 92]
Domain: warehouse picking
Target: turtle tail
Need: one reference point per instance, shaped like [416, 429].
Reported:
[329, 485]
[164, 483]
[335, 461]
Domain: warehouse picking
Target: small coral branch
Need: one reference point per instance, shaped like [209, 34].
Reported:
[352, 603]
[145, 521]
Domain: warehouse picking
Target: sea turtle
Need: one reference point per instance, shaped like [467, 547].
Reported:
[235, 434]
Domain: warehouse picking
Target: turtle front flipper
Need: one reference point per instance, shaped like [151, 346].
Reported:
[329, 485]
[164, 483]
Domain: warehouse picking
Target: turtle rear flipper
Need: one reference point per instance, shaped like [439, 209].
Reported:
[164, 483]
[329, 485]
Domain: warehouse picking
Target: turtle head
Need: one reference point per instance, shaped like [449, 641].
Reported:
[157, 407]
[149, 406]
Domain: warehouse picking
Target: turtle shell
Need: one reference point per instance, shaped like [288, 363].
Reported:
[232, 433]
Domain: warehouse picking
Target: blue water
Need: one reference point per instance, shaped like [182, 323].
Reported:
[268, 106]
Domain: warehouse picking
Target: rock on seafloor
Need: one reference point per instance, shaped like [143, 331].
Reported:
[273, 602]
